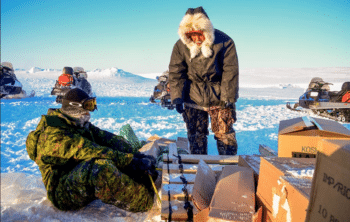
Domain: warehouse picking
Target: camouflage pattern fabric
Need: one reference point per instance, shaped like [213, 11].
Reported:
[63, 151]
[222, 120]
[100, 178]
[197, 129]
[222, 125]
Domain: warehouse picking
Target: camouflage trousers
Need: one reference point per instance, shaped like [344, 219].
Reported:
[222, 120]
[100, 179]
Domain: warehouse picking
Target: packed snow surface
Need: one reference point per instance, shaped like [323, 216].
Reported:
[123, 98]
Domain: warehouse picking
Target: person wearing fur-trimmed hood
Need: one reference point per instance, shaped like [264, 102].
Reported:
[203, 76]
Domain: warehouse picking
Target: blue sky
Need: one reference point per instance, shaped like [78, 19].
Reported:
[138, 36]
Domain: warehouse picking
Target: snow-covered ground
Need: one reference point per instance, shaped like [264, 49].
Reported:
[123, 98]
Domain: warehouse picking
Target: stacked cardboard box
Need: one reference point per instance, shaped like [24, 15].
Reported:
[232, 198]
[284, 188]
[330, 193]
[252, 162]
[300, 137]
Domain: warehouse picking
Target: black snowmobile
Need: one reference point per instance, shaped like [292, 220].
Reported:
[69, 79]
[10, 87]
[321, 101]
[161, 93]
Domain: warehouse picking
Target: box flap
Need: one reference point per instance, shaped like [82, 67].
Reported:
[331, 126]
[204, 186]
[309, 123]
[294, 125]
[234, 196]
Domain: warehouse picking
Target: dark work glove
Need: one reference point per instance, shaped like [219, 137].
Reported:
[180, 108]
[142, 165]
[144, 156]
[179, 105]
[229, 105]
[140, 168]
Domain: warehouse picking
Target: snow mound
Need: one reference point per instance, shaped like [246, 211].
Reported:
[111, 72]
[35, 69]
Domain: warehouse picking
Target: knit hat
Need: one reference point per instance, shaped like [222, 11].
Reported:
[77, 102]
[192, 11]
[67, 70]
[7, 65]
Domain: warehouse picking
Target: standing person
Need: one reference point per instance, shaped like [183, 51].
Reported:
[203, 76]
[80, 162]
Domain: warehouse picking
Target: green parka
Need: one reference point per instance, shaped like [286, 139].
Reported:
[58, 145]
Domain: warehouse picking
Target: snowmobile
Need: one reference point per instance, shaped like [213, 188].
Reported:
[321, 101]
[67, 82]
[161, 92]
[10, 87]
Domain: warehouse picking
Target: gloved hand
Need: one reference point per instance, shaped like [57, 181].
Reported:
[140, 168]
[229, 105]
[179, 105]
[180, 108]
[142, 165]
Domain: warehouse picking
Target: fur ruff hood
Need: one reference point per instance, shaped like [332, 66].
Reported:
[197, 19]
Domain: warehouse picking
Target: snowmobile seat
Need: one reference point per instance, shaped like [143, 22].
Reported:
[337, 97]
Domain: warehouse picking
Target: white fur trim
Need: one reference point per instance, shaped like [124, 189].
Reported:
[193, 22]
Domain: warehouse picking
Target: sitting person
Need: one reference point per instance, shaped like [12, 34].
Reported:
[80, 162]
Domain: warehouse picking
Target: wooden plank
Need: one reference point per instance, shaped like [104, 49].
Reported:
[209, 159]
[176, 192]
[173, 151]
[178, 211]
[182, 143]
[189, 168]
[266, 151]
[174, 178]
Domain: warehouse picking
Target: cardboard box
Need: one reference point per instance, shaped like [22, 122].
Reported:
[234, 196]
[330, 193]
[204, 186]
[252, 162]
[300, 137]
[284, 187]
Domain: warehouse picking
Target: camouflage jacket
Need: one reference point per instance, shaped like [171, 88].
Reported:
[58, 145]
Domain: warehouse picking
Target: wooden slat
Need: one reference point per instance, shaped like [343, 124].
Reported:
[189, 168]
[175, 178]
[173, 151]
[266, 151]
[176, 192]
[178, 211]
[182, 143]
[214, 159]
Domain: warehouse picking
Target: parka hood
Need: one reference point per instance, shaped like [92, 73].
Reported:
[197, 19]
[54, 117]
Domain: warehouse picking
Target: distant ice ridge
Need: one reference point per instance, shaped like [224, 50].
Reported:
[35, 69]
[111, 72]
